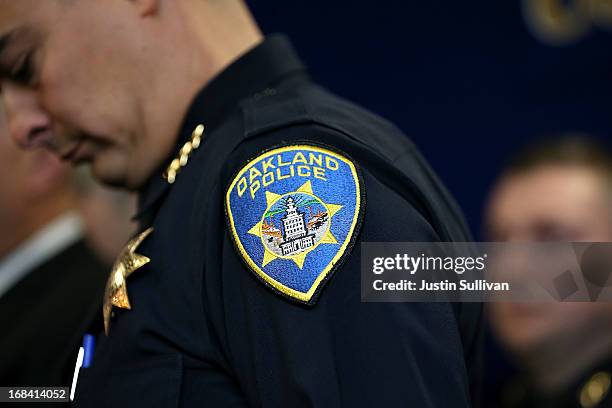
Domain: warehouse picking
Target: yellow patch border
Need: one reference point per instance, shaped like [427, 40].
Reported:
[292, 293]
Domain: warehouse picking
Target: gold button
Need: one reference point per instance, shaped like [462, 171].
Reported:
[186, 149]
[199, 130]
[195, 143]
[171, 177]
[595, 390]
[175, 165]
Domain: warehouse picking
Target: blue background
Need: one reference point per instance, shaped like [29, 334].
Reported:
[466, 81]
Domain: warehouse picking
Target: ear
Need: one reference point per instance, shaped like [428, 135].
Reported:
[45, 173]
[146, 8]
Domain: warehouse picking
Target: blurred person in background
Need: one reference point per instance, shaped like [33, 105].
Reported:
[557, 190]
[51, 283]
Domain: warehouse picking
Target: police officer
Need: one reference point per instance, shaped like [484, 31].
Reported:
[256, 187]
[555, 190]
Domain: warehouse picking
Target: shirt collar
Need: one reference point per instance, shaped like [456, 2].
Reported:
[38, 249]
[260, 68]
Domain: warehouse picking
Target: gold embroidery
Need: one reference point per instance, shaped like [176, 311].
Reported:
[183, 157]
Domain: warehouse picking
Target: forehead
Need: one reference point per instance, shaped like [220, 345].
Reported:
[44, 17]
[548, 192]
[25, 16]
[13, 13]
[64, 21]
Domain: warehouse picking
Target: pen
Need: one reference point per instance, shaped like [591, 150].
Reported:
[75, 376]
[89, 343]
[84, 359]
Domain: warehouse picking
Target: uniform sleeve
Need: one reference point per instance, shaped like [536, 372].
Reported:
[342, 352]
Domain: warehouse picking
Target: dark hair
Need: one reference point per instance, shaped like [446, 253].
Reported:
[564, 150]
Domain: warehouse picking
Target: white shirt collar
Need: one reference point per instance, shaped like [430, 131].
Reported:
[39, 248]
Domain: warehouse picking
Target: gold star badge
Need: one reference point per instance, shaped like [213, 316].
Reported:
[116, 287]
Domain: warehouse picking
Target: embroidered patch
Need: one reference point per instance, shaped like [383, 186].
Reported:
[293, 213]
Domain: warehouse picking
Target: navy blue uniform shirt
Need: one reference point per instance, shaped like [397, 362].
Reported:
[205, 331]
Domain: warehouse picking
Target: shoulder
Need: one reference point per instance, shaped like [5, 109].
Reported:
[309, 114]
[311, 106]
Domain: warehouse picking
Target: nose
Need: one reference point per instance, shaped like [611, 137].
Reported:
[28, 124]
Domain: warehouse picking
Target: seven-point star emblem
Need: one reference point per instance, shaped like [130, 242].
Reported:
[116, 287]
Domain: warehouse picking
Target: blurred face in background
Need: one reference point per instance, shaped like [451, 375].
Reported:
[31, 186]
[72, 82]
[13, 170]
[550, 203]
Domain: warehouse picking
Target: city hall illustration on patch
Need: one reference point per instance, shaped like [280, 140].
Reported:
[292, 213]
[294, 224]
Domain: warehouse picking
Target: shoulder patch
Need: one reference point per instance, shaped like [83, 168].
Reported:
[294, 213]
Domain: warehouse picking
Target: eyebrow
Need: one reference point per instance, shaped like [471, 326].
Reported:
[6, 39]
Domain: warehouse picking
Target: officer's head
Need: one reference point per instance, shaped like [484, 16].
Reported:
[556, 190]
[109, 81]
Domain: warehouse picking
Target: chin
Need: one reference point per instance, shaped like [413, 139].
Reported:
[109, 172]
[115, 167]
[110, 180]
